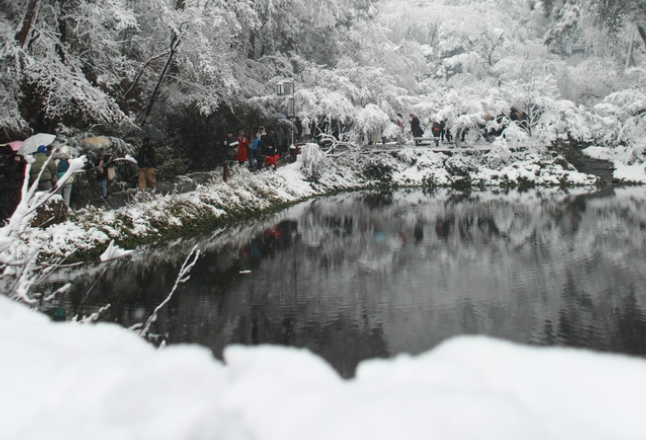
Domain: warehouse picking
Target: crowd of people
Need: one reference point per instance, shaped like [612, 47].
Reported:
[49, 165]
[44, 172]
[489, 128]
[441, 130]
[265, 150]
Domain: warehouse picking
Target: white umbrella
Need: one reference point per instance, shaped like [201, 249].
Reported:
[31, 144]
[96, 142]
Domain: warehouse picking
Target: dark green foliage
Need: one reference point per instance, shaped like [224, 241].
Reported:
[379, 172]
[458, 169]
[564, 183]
[378, 200]
[194, 137]
[462, 183]
[525, 184]
[429, 182]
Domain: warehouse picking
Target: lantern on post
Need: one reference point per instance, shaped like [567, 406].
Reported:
[286, 88]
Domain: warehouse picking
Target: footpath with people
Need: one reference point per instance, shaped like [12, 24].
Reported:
[273, 145]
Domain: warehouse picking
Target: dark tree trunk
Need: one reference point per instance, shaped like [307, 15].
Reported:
[642, 32]
[141, 72]
[173, 47]
[174, 43]
[62, 31]
[27, 21]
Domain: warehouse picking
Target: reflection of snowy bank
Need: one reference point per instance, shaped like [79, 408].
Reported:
[66, 381]
[218, 203]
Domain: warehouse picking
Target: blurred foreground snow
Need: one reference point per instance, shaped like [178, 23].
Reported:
[71, 381]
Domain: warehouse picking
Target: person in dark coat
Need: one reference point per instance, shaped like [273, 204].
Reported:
[269, 149]
[298, 126]
[230, 146]
[416, 126]
[146, 164]
[437, 132]
[11, 174]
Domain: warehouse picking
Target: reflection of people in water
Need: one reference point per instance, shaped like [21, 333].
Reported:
[379, 232]
[444, 226]
[348, 225]
[277, 237]
[418, 232]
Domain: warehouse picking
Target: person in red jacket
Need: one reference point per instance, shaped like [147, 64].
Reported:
[243, 145]
[437, 132]
[269, 149]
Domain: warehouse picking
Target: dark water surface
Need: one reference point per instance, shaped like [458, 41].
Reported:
[366, 275]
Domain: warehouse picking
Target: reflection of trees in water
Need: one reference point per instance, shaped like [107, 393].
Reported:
[576, 324]
[378, 200]
[340, 277]
[630, 332]
[586, 322]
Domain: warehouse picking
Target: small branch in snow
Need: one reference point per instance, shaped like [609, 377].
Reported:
[113, 252]
[182, 277]
[93, 317]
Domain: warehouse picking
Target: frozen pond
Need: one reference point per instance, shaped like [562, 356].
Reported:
[365, 275]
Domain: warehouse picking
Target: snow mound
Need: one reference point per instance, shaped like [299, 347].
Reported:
[71, 381]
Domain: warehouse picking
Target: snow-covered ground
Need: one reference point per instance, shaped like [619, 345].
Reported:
[71, 381]
[628, 162]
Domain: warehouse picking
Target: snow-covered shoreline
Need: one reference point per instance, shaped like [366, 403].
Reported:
[248, 194]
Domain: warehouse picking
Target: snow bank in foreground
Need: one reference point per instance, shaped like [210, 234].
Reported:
[71, 381]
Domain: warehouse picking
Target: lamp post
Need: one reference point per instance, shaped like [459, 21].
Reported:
[284, 88]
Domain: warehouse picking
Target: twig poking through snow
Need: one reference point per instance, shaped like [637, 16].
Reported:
[182, 277]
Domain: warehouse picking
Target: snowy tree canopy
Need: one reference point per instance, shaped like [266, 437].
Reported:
[88, 65]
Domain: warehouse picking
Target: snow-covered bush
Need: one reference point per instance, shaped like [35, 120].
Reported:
[312, 162]
[370, 119]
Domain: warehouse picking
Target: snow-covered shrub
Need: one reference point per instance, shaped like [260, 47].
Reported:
[370, 119]
[633, 131]
[391, 131]
[592, 79]
[312, 162]
[469, 62]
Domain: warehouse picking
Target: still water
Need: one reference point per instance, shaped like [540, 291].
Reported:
[364, 275]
